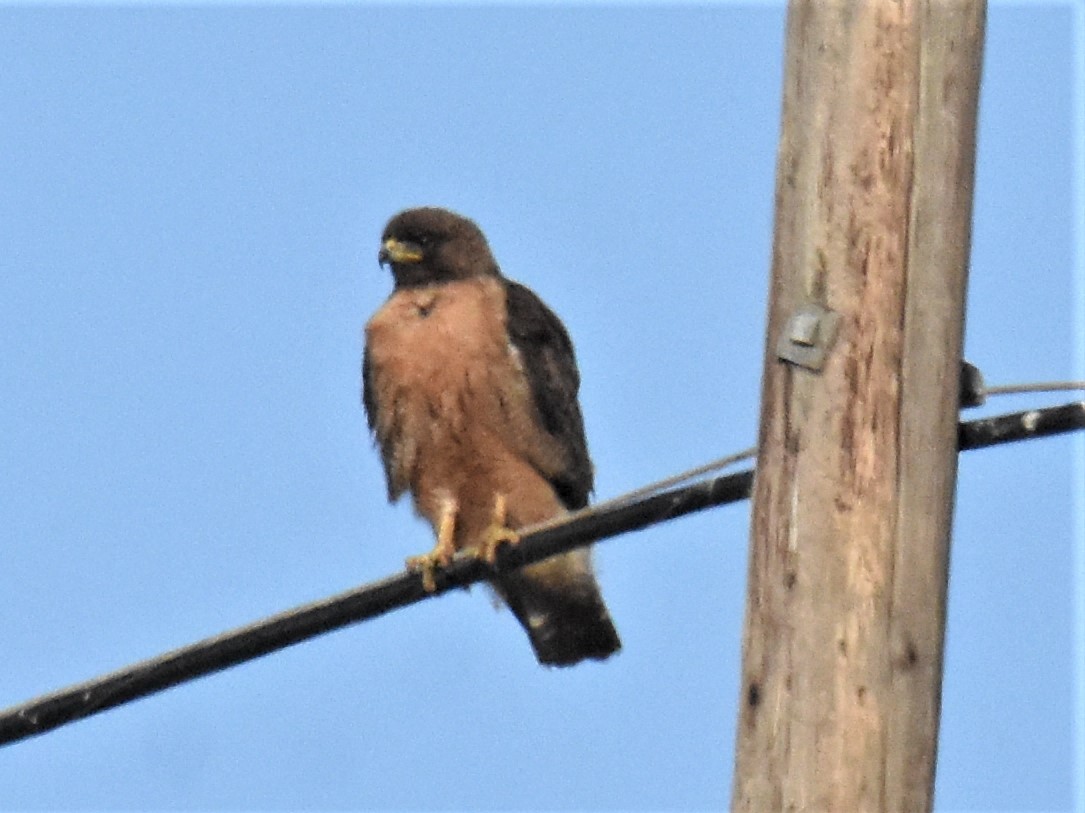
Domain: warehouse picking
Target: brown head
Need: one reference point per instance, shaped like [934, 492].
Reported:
[428, 245]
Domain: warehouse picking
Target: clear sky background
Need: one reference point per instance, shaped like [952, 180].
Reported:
[190, 205]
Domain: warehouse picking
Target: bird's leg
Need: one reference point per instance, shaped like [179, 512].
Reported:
[441, 555]
[497, 533]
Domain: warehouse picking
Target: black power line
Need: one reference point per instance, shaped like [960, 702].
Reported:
[376, 598]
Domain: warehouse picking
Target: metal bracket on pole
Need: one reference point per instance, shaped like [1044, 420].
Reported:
[808, 336]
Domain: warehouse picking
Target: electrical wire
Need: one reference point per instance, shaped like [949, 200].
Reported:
[642, 508]
[1043, 386]
[643, 492]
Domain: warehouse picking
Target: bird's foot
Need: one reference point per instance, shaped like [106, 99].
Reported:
[441, 556]
[497, 534]
[428, 564]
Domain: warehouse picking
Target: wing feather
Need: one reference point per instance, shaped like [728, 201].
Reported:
[372, 404]
[549, 364]
[369, 393]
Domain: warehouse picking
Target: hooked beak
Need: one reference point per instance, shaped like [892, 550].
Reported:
[398, 251]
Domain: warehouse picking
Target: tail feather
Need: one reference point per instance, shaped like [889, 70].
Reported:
[559, 605]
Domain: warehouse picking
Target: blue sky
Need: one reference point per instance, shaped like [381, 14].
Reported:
[190, 201]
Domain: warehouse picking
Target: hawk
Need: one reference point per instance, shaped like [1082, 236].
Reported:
[470, 390]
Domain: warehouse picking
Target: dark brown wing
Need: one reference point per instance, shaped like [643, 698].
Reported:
[369, 395]
[371, 404]
[546, 352]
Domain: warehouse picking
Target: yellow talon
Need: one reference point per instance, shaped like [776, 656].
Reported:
[426, 564]
[498, 533]
[441, 555]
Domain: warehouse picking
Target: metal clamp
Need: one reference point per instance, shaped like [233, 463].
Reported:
[808, 336]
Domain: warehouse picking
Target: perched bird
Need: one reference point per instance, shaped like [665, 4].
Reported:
[470, 389]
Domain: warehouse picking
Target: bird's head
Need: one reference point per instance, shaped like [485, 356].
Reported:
[426, 246]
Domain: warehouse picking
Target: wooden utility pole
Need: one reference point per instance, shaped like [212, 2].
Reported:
[853, 501]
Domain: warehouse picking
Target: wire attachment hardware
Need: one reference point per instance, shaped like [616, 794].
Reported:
[973, 386]
[808, 336]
